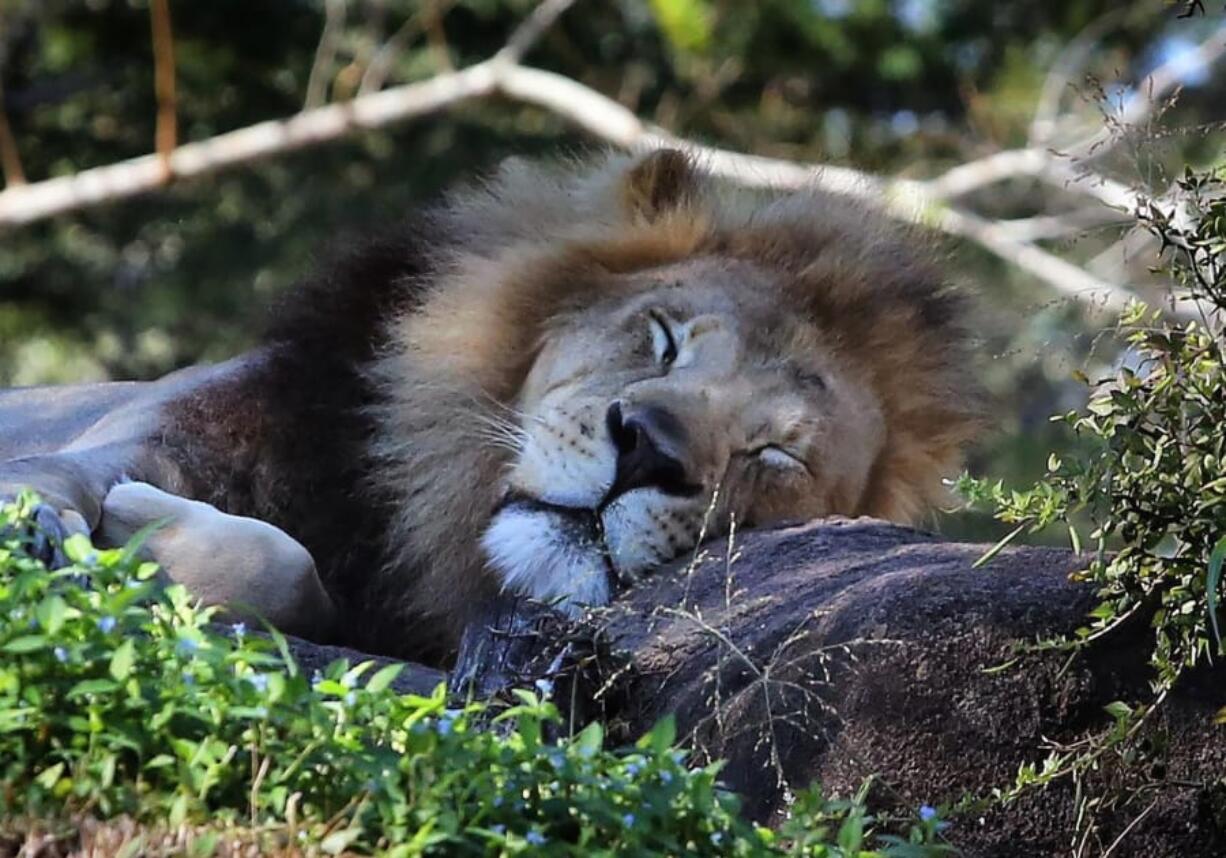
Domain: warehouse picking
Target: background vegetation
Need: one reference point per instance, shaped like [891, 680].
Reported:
[900, 87]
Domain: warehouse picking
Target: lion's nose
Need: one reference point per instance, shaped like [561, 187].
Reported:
[651, 445]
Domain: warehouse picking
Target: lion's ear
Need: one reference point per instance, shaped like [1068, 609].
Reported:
[658, 183]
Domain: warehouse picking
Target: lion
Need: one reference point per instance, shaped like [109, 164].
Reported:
[550, 382]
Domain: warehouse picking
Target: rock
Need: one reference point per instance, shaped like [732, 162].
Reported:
[842, 649]
[414, 679]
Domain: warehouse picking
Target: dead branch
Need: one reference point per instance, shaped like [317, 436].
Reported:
[10, 156]
[927, 201]
[166, 133]
[325, 54]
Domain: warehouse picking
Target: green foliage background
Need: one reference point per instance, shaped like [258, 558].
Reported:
[909, 87]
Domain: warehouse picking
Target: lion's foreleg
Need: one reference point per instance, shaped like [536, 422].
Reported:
[247, 565]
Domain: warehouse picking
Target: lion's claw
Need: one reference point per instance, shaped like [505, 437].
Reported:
[44, 535]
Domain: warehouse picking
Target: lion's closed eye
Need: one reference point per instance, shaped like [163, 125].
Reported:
[663, 340]
[780, 458]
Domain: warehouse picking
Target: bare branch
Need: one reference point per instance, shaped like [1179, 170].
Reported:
[1067, 66]
[437, 36]
[324, 124]
[605, 119]
[1157, 85]
[381, 65]
[10, 156]
[166, 134]
[1051, 269]
[1076, 222]
[325, 54]
[528, 33]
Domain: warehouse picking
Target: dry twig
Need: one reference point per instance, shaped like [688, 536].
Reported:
[166, 133]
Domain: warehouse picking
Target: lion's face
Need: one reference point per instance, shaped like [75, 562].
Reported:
[683, 402]
[610, 361]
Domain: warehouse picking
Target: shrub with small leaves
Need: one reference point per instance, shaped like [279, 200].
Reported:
[121, 696]
[1153, 483]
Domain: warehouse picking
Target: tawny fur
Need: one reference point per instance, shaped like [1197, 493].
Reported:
[538, 242]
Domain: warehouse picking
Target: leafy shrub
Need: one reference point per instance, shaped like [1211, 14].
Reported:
[1154, 482]
[120, 696]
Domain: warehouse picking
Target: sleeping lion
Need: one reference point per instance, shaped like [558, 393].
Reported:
[551, 382]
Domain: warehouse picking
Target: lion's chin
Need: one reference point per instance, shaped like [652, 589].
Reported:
[551, 554]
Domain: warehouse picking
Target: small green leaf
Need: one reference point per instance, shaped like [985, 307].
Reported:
[1000, 546]
[50, 614]
[91, 686]
[662, 735]
[851, 834]
[1212, 583]
[48, 777]
[338, 841]
[26, 643]
[1119, 710]
[122, 660]
[383, 678]
[590, 740]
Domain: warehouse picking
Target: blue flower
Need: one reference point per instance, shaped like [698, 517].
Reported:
[443, 726]
[351, 698]
[259, 681]
[497, 801]
[717, 837]
[544, 686]
[927, 812]
[239, 629]
[535, 838]
[633, 769]
[106, 624]
[188, 646]
[498, 829]
[628, 820]
[666, 777]
[188, 679]
[316, 678]
[61, 654]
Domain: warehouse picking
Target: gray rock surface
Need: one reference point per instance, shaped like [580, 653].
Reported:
[842, 649]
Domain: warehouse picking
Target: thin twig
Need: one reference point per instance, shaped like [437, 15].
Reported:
[1117, 841]
[1066, 67]
[535, 26]
[381, 65]
[325, 54]
[436, 35]
[1156, 86]
[10, 156]
[166, 135]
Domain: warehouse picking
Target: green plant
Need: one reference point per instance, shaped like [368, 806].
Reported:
[119, 696]
[1153, 485]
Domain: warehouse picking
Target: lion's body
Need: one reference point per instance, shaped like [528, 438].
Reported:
[466, 404]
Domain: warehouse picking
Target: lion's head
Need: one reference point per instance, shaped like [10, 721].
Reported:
[616, 360]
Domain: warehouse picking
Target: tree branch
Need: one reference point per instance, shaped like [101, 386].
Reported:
[611, 122]
[166, 133]
[10, 156]
[325, 54]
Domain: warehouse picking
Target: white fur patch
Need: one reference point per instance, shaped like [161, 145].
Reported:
[534, 554]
